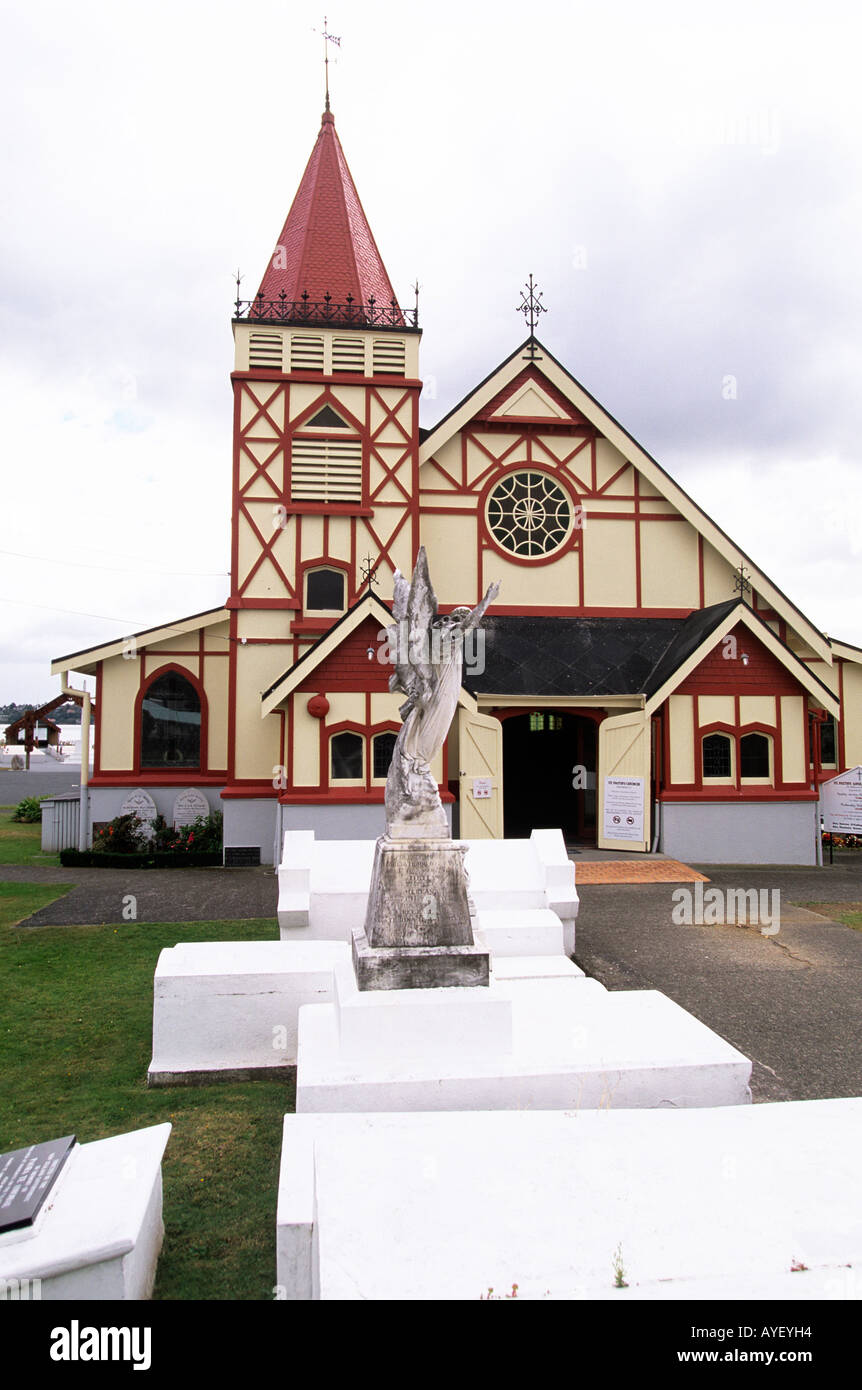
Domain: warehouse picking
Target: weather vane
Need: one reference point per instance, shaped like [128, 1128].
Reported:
[531, 307]
[368, 571]
[327, 40]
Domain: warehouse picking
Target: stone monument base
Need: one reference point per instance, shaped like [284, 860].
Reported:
[418, 967]
[418, 933]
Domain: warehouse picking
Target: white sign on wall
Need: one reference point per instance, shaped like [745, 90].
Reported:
[482, 788]
[841, 798]
[624, 808]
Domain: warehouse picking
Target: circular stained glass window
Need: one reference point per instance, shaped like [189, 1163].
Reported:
[529, 514]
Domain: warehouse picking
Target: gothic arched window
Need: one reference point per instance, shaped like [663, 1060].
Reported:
[324, 591]
[347, 757]
[171, 723]
[717, 756]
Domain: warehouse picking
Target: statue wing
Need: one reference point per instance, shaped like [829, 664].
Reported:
[479, 611]
[414, 609]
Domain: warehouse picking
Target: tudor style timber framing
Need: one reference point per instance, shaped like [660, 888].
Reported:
[621, 621]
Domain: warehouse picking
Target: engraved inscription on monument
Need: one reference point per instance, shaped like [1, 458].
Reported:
[26, 1178]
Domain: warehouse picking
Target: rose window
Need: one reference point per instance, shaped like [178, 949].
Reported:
[529, 514]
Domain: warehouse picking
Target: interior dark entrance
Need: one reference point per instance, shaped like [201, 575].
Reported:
[549, 774]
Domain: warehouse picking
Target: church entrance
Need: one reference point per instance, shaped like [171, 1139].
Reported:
[549, 774]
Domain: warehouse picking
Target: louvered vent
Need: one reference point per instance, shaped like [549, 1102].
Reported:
[348, 354]
[326, 470]
[389, 355]
[264, 350]
[306, 354]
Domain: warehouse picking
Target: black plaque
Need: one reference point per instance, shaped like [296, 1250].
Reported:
[26, 1178]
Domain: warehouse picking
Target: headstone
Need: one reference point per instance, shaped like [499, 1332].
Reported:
[139, 803]
[26, 1178]
[189, 805]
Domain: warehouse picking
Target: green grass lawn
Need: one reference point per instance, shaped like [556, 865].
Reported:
[848, 913]
[75, 1043]
[20, 842]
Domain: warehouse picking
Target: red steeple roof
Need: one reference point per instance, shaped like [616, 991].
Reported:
[326, 245]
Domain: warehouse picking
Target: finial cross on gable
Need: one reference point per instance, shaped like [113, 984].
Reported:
[531, 306]
[741, 578]
[368, 571]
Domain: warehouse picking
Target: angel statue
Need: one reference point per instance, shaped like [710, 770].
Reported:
[428, 654]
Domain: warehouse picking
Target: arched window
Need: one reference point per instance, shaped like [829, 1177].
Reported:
[754, 757]
[171, 723]
[324, 591]
[382, 748]
[717, 756]
[346, 757]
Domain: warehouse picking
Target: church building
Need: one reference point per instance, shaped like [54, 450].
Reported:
[638, 681]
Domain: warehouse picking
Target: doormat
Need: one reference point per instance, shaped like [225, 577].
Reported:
[635, 871]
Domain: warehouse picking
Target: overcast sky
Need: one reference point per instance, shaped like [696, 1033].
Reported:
[684, 182]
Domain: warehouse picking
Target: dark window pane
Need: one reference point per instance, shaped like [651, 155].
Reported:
[325, 589]
[754, 755]
[383, 748]
[716, 755]
[171, 723]
[346, 757]
[827, 741]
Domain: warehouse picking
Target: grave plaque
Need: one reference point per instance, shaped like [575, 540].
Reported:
[26, 1178]
[139, 803]
[189, 806]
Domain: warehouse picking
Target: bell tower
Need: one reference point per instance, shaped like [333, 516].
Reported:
[326, 412]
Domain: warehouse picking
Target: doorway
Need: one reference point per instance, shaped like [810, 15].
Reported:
[549, 774]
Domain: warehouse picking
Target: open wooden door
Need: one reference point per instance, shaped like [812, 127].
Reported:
[624, 782]
[480, 776]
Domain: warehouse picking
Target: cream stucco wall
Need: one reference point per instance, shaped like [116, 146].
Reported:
[681, 727]
[118, 690]
[669, 572]
[609, 564]
[794, 730]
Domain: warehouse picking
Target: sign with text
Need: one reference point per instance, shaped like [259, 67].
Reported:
[624, 808]
[841, 799]
[26, 1178]
[482, 788]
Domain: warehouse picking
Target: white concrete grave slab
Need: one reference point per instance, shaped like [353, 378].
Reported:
[527, 1041]
[231, 1007]
[324, 884]
[100, 1232]
[747, 1202]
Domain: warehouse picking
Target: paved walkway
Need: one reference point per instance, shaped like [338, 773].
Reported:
[792, 1001]
[637, 871]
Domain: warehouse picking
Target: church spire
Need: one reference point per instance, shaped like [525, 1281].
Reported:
[326, 246]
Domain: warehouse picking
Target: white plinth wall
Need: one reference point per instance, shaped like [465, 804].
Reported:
[552, 1041]
[706, 1204]
[323, 886]
[100, 1231]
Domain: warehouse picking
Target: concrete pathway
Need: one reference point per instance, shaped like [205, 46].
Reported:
[792, 1001]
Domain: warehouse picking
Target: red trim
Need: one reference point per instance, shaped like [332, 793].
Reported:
[231, 696]
[731, 794]
[237, 791]
[348, 796]
[97, 741]
[153, 777]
